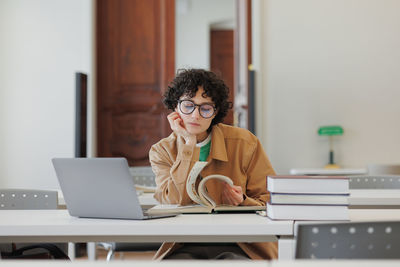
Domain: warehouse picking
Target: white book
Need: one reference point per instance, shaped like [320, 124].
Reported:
[307, 212]
[308, 184]
[309, 199]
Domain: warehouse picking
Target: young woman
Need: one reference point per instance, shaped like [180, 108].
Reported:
[199, 101]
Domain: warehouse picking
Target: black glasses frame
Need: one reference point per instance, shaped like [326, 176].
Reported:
[196, 105]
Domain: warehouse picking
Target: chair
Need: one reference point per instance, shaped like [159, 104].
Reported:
[374, 182]
[144, 180]
[366, 240]
[28, 199]
[24, 199]
[383, 169]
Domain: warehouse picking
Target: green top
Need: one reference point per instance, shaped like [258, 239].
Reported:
[330, 130]
[204, 151]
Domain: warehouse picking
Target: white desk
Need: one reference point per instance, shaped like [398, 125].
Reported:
[374, 198]
[58, 226]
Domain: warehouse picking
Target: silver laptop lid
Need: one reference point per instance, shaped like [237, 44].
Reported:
[98, 187]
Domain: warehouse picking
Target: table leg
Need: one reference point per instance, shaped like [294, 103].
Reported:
[91, 251]
[71, 251]
[286, 248]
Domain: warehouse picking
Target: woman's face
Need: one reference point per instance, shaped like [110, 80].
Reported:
[194, 122]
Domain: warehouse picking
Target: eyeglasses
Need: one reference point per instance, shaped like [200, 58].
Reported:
[187, 107]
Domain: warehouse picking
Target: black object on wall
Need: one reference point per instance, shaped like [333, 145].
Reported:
[80, 129]
[252, 103]
[80, 114]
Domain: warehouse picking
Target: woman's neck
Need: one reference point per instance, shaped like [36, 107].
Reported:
[201, 137]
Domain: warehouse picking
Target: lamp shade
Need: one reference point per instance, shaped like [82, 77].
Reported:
[330, 130]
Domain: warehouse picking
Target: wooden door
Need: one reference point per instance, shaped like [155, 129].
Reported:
[135, 61]
[222, 62]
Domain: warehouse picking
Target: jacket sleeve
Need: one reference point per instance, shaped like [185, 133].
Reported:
[171, 172]
[258, 168]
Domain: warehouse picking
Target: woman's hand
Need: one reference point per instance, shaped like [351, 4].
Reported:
[176, 123]
[232, 195]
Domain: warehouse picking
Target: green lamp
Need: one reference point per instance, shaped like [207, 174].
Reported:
[330, 131]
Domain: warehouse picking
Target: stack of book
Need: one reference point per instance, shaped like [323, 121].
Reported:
[296, 197]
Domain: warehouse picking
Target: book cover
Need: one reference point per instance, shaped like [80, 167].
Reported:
[310, 199]
[308, 184]
[307, 212]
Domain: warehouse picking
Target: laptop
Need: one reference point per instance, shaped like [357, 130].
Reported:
[99, 188]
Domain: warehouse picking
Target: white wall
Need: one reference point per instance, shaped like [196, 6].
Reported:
[43, 43]
[331, 62]
[319, 62]
[193, 21]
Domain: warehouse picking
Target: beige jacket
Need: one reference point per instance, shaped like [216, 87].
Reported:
[236, 153]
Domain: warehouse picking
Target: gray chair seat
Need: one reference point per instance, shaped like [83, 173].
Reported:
[374, 182]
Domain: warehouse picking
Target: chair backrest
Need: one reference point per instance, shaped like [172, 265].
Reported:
[383, 169]
[374, 182]
[366, 240]
[143, 175]
[28, 199]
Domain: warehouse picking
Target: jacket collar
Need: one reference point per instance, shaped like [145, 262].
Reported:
[218, 148]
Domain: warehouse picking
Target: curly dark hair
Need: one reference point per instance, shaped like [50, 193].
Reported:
[187, 82]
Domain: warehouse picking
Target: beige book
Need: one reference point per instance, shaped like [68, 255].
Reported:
[199, 195]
